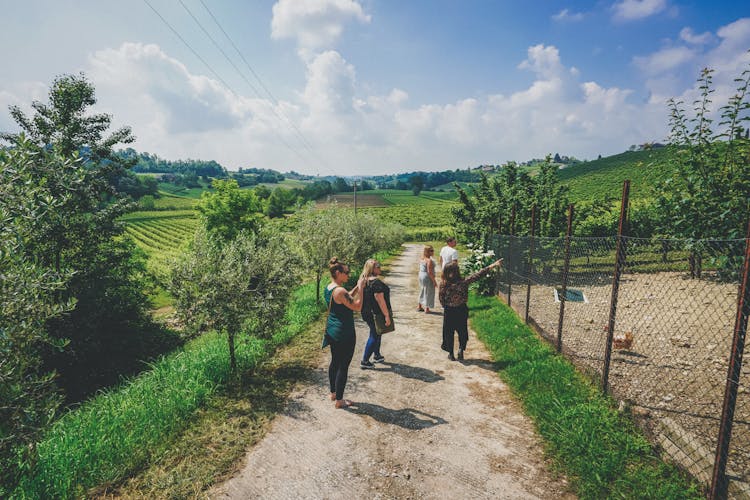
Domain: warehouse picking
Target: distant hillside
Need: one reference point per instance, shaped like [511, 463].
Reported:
[603, 178]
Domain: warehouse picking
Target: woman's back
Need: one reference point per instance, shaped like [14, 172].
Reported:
[340, 324]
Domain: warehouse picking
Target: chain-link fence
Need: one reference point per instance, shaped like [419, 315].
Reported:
[672, 319]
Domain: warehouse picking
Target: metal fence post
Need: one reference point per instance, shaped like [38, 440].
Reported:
[566, 268]
[619, 261]
[719, 481]
[508, 263]
[531, 261]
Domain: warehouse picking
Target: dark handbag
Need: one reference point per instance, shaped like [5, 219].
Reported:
[380, 325]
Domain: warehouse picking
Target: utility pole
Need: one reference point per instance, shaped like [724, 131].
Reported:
[355, 197]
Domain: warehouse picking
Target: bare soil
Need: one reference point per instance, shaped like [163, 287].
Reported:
[422, 426]
[674, 374]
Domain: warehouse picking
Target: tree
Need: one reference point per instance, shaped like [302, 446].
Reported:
[28, 299]
[322, 234]
[234, 286]
[79, 236]
[417, 183]
[709, 194]
[229, 210]
[341, 186]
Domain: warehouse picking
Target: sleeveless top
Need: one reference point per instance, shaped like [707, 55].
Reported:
[422, 266]
[340, 324]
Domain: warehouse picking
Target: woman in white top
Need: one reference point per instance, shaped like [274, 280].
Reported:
[427, 280]
[448, 253]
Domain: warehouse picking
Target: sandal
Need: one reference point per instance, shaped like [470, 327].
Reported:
[419, 309]
[343, 403]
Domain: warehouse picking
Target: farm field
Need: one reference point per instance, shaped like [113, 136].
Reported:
[603, 178]
[161, 234]
[347, 200]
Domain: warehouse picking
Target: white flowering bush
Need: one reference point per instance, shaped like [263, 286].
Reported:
[477, 259]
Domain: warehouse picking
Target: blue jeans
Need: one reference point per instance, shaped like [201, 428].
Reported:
[373, 342]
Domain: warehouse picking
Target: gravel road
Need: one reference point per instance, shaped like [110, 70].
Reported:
[422, 426]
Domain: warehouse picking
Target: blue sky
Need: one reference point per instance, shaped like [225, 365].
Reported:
[370, 87]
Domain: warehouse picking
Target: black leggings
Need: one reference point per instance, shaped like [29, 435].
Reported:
[341, 355]
[454, 320]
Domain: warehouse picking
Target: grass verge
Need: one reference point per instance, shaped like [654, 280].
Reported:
[121, 431]
[601, 451]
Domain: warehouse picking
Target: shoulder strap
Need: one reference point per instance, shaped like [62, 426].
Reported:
[330, 301]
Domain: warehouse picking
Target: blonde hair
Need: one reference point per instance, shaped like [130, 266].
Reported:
[367, 268]
[426, 251]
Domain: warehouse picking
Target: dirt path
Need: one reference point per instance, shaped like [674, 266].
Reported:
[422, 426]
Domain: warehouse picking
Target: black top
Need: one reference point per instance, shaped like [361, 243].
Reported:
[368, 298]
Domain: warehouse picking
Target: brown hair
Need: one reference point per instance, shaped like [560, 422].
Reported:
[335, 265]
[451, 274]
[450, 239]
[426, 251]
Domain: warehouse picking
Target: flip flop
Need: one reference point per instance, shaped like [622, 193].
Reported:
[343, 403]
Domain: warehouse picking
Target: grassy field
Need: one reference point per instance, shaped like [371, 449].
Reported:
[603, 178]
[365, 199]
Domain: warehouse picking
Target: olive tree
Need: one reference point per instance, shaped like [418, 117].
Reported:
[335, 231]
[225, 284]
[28, 299]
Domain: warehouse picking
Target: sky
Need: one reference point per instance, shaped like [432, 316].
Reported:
[370, 87]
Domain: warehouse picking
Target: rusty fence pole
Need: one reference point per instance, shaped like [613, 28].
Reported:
[508, 263]
[531, 261]
[566, 269]
[499, 245]
[619, 262]
[719, 483]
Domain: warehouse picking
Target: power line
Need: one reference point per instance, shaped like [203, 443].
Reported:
[215, 73]
[303, 139]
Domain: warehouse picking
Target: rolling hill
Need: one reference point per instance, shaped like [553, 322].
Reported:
[603, 178]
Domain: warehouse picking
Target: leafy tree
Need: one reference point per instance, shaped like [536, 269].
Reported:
[79, 236]
[229, 210]
[417, 184]
[322, 234]
[225, 284]
[28, 299]
[709, 194]
[341, 186]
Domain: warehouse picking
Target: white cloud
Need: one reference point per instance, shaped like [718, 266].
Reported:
[664, 60]
[315, 24]
[629, 10]
[566, 15]
[687, 35]
[21, 95]
[665, 68]
[178, 114]
[544, 61]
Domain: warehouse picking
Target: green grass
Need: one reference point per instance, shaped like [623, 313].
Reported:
[599, 449]
[119, 431]
[183, 191]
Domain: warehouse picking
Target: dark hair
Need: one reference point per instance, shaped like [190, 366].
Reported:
[451, 273]
[450, 239]
[335, 265]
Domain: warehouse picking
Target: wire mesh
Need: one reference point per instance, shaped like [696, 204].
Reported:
[672, 333]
